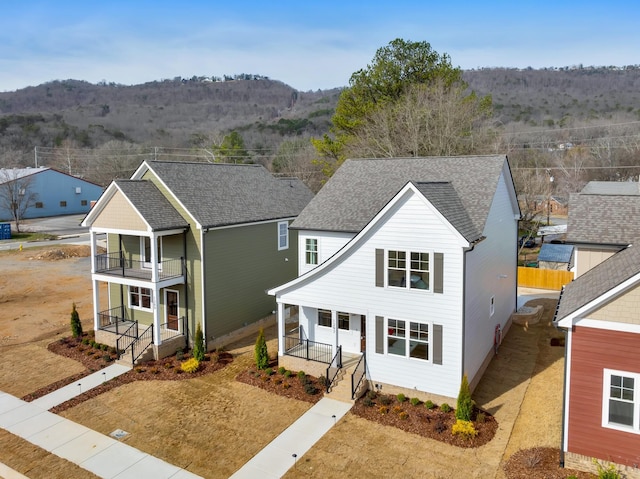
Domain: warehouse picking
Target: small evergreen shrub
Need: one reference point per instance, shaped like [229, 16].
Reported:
[367, 401]
[371, 394]
[464, 404]
[269, 372]
[288, 374]
[414, 401]
[301, 375]
[429, 404]
[385, 400]
[480, 417]
[464, 429]
[106, 358]
[191, 365]
[76, 325]
[401, 397]
[444, 407]
[179, 354]
[198, 345]
[85, 341]
[93, 344]
[310, 389]
[261, 354]
[281, 370]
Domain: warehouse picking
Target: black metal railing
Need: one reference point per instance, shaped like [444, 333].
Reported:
[295, 345]
[119, 265]
[140, 345]
[124, 341]
[358, 376]
[171, 329]
[334, 368]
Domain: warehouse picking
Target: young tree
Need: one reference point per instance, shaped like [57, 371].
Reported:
[16, 194]
[76, 325]
[261, 353]
[464, 405]
[198, 344]
[232, 149]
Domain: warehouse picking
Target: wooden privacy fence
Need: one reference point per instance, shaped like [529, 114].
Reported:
[543, 278]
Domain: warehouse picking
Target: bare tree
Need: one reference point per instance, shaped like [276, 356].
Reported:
[16, 194]
[296, 158]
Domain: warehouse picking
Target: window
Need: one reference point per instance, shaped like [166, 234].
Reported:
[139, 298]
[83, 202]
[324, 318]
[145, 250]
[343, 321]
[417, 345]
[492, 305]
[416, 269]
[39, 204]
[63, 204]
[621, 400]
[78, 190]
[283, 235]
[311, 251]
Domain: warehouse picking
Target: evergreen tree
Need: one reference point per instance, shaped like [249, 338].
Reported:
[198, 344]
[261, 352]
[76, 325]
[464, 405]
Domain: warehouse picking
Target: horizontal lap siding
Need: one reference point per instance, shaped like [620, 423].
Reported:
[350, 287]
[592, 351]
[328, 244]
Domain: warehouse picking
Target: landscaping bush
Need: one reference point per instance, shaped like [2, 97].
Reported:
[288, 374]
[403, 415]
[401, 397]
[480, 417]
[198, 345]
[367, 401]
[385, 400]
[301, 375]
[190, 365]
[261, 352]
[608, 472]
[444, 407]
[179, 354]
[269, 372]
[464, 404]
[429, 404]
[282, 370]
[465, 429]
[383, 409]
[414, 401]
[76, 325]
[310, 389]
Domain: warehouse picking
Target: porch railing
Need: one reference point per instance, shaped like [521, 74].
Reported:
[114, 319]
[172, 329]
[141, 344]
[334, 368]
[296, 345]
[358, 376]
[118, 264]
[127, 338]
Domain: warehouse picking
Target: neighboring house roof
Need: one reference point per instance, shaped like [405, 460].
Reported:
[628, 188]
[603, 218]
[11, 174]
[555, 253]
[362, 187]
[598, 281]
[151, 204]
[218, 194]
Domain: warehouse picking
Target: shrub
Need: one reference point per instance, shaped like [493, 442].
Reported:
[401, 397]
[480, 417]
[269, 372]
[403, 415]
[440, 427]
[371, 394]
[397, 409]
[383, 409]
[464, 405]
[288, 374]
[429, 404]
[76, 325]
[464, 429]
[85, 341]
[310, 389]
[104, 347]
[190, 365]
[608, 472]
[281, 370]
[93, 344]
[301, 375]
[322, 380]
[367, 401]
[198, 345]
[179, 354]
[385, 400]
[444, 407]
[261, 353]
[414, 401]
[107, 358]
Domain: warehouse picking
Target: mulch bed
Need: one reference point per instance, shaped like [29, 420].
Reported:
[284, 384]
[540, 462]
[96, 358]
[432, 423]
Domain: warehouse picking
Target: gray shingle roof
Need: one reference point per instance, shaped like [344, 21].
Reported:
[362, 187]
[555, 253]
[598, 280]
[611, 188]
[152, 204]
[603, 218]
[219, 194]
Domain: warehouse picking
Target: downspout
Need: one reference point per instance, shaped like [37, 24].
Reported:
[204, 288]
[186, 287]
[121, 285]
[564, 383]
[464, 307]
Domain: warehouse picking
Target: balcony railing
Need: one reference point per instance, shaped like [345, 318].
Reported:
[117, 264]
[295, 345]
[115, 320]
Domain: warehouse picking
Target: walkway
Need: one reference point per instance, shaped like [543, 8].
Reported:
[282, 453]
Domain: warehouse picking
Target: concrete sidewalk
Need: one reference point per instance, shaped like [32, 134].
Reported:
[78, 387]
[95, 452]
[278, 456]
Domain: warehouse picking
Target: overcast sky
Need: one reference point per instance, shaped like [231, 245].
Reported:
[307, 44]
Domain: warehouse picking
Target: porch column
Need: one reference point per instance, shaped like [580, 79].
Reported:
[280, 317]
[96, 304]
[157, 339]
[92, 242]
[154, 257]
[334, 325]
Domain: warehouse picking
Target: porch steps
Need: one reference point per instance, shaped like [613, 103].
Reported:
[341, 389]
[125, 359]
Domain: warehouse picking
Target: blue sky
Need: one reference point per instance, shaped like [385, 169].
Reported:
[307, 44]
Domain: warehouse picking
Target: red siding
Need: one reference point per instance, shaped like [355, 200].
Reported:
[593, 350]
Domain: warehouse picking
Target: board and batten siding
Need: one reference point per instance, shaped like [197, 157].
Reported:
[349, 286]
[329, 243]
[491, 271]
[592, 351]
[241, 264]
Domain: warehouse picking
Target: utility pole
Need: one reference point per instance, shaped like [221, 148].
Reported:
[35, 154]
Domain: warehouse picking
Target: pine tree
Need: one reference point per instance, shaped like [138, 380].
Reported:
[76, 325]
[261, 352]
[464, 405]
[198, 345]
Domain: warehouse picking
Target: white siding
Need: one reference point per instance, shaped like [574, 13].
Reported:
[349, 286]
[329, 243]
[491, 272]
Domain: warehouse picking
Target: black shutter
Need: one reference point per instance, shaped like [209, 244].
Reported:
[437, 343]
[438, 264]
[379, 335]
[379, 268]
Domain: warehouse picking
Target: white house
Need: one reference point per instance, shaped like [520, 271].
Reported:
[410, 263]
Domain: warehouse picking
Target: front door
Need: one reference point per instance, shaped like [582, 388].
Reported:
[172, 310]
[363, 333]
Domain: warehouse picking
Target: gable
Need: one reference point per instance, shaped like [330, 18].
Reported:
[119, 214]
[622, 309]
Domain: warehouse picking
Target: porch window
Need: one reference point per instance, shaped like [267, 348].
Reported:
[621, 400]
[311, 251]
[416, 269]
[324, 318]
[343, 321]
[145, 250]
[415, 346]
[139, 298]
[283, 235]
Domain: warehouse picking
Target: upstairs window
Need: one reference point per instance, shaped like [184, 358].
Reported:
[283, 235]
[311, 251]
[416, 269]
[621, 400]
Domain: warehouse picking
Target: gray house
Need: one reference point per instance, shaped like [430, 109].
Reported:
[189, 244]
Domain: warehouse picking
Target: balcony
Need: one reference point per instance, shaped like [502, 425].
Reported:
[116, 264]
